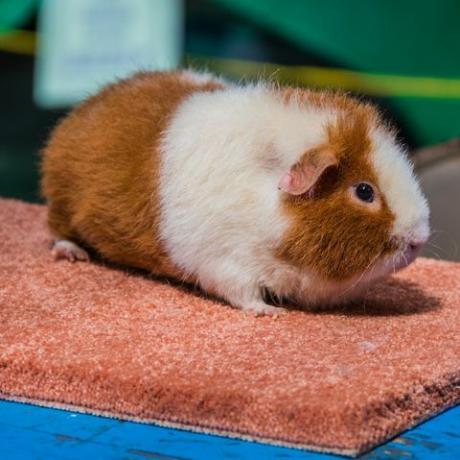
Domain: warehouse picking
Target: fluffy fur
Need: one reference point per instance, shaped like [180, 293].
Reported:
[185, 175]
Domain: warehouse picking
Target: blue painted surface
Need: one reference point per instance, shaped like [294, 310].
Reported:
[32, 432]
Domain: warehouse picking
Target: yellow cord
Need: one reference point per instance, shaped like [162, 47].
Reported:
[18, 41]
[24, 42]
[362, 82]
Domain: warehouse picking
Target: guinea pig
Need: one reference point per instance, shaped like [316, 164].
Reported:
[243, 190]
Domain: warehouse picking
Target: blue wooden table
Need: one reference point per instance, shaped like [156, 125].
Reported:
[31, 432]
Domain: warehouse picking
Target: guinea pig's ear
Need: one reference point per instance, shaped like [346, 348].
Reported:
[304, 174]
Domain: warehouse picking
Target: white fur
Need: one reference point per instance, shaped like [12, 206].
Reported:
[222, 158]
[201, 77]
[65, 249]
[401, 189]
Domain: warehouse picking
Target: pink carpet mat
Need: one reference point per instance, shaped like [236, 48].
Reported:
[97, 339]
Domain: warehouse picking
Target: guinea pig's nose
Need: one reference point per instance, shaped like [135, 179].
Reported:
[414, 247]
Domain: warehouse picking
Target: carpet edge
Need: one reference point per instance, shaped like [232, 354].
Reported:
[446, 399]
[179, 426]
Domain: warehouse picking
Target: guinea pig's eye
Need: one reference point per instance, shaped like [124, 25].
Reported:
[365, 192]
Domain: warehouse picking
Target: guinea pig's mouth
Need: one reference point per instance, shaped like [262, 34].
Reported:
[406, 255]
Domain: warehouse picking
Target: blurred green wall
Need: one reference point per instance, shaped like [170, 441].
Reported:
[411, 38]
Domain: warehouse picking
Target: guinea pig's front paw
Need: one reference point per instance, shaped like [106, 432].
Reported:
[262, 309]
[64, 249]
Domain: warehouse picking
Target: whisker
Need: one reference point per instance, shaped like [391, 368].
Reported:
[449, 238]
[432, 252]
[405, 258]
[431, 245]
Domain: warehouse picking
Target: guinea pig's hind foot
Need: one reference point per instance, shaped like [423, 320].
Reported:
[65, 249]
[260, 308]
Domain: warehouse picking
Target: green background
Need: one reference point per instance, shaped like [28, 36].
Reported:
[405, 38]
[408, 37]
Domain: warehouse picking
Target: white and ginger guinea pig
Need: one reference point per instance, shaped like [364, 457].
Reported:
[242, 190]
